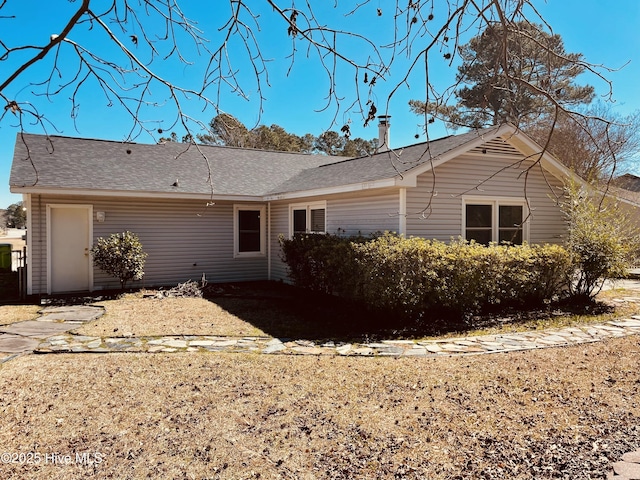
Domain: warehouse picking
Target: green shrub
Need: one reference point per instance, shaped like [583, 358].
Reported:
[323, 263]
[121, 256]
[410, 276]
[414, 275]
[602, 239]
[406, 275]
[534, 274]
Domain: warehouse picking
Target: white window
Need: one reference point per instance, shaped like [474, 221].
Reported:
[495, 220]
[308, 218]
[249, 227]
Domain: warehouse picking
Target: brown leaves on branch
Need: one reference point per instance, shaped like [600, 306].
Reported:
[293, 28]
[372, 114]
[13, 106]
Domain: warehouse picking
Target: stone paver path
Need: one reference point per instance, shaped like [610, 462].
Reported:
[628, 468]
[25, 337]
[68, 342]
[52, 333]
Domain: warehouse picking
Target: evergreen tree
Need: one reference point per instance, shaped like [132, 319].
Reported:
[227, 130]
[16, 216]
[509, 73]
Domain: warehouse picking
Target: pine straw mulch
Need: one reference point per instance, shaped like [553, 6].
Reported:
[554, 413]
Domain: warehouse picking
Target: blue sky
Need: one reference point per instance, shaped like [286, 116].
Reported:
[607, 35]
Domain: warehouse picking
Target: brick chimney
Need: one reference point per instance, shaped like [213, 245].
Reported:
[383, 133]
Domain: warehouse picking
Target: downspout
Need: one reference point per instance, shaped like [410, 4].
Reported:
[26, 198]
[268, 240]
[41, 255]
[402, 212]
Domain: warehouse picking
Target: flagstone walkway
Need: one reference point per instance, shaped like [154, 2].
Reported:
[52, 332]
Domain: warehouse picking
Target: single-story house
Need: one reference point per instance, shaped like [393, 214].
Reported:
[219, 211]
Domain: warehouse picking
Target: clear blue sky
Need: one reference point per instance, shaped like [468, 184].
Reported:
[606, 34]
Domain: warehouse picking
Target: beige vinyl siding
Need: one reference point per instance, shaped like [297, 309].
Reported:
[279, 226]
[183, 239]
[350, 214]
[364, 214]
[434, 208]
[36, 246]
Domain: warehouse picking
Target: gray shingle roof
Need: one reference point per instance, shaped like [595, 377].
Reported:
[376, 167]
[628, 181]
[74, 163]
[67, 163]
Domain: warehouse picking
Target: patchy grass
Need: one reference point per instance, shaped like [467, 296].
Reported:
[611, 305]
[133, 314]
[271, 309]
[17, 313]
[555, 413]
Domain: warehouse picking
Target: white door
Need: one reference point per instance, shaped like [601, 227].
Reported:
[69, 228]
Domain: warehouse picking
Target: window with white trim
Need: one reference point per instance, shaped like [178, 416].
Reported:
[249, 227]
[308, 218]
[501, 220]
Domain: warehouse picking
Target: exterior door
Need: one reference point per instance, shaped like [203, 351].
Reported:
[70, 234]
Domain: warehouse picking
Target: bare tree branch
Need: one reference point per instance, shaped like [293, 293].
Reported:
[233, 58]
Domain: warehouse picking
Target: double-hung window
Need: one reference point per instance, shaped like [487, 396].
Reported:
[308, 218]
[249, 225]
[495, 220]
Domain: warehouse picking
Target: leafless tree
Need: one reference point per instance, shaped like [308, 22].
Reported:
[596, 150]
[148, 33]
[147, 40]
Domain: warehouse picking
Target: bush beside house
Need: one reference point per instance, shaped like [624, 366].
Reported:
[413, 275]
[603, 238]
[121, 256]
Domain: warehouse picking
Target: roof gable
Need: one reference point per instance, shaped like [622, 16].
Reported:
[628, 181]
[401, 167]
[381, 166]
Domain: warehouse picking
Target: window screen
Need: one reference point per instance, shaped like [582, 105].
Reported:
[317, 220]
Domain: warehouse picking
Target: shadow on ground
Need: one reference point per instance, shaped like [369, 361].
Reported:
[285, 311]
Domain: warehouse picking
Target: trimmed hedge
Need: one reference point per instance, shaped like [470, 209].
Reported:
[322, 263]
[413, 275]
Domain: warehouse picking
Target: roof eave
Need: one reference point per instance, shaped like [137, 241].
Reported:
[396, 182]
[35, 190]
